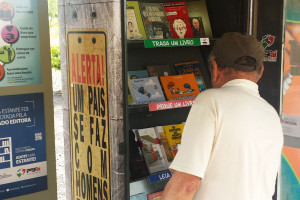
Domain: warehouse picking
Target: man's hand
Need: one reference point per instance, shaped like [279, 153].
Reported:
[182, 186]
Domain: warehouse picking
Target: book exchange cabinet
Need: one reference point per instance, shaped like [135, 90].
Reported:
[146, 75]
[146, 175]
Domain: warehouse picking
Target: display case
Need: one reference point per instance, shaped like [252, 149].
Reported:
[142, 53]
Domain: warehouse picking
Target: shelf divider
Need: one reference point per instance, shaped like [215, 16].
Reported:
[165, 105]
[155, 43]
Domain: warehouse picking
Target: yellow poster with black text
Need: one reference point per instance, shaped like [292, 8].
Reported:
[89, 114]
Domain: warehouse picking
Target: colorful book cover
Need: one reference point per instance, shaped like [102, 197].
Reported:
[173, 135]
[160, 70]
[155, 21]
[180, 86]
[151, 150]
[197, 10]
[161, 135]
[138, 74]
[179, 21]
[133, 32]
[146, 90]
[191, 68]
[134, 75]
[141, 196]
[201, 83]
[155, 195]
[197, 27]
[136, 16]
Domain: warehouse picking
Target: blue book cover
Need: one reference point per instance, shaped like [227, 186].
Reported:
[138, 74]
[141, 196]
[191, 68]
[146, 90]
[201, 83]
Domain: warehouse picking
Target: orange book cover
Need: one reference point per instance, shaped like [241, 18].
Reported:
[180, 86]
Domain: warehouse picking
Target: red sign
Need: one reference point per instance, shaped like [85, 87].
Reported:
[171, 104]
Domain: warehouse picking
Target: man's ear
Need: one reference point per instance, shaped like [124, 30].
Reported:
[214, 71]
[260, 73]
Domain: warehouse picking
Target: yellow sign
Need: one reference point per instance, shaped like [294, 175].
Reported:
[89, 114]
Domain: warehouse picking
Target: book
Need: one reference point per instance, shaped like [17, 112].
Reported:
[197, 27]
[173, 135]
[155, 21]
[155, 195]
[162, 139]
[151, 150]
[179, 86]
[134, 75]
[138, 74]
[191, 68]
[179, 21]
[198, 12]
[201, 83]
[129, 97]
[137, 163]
[146, 90]
[135, 26]
[141, 196]
[160, 70]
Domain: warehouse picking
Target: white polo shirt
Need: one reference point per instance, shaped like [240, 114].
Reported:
[232, 139]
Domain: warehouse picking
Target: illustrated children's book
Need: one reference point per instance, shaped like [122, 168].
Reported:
[199, 18]
[135, 26]
[151, 150]
[191, 68]
[134, 75]
[155, 195]
[161, 135]
[179, 21]
[141, 196]
[138, 74]
[155, 21]
[180, 86]
[173, 135]
[160, 70]
[146, 90]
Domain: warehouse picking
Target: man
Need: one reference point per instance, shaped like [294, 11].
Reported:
[232, 139]
[197, 27]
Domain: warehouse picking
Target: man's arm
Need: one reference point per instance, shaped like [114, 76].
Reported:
[181, 186]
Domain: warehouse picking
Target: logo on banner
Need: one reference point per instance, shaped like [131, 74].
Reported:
[268, 41]
[28, 171]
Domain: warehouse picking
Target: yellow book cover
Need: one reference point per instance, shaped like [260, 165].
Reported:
[135, 26]
[173, 135]
[161, 135]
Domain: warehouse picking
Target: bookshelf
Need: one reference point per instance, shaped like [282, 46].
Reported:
[142, 53]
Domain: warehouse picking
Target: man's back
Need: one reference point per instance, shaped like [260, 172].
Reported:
[245, 135]
[232, 139]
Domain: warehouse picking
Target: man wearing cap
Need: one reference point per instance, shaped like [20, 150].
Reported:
[232, 139]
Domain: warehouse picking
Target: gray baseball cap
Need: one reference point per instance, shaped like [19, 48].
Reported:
[233, 46]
